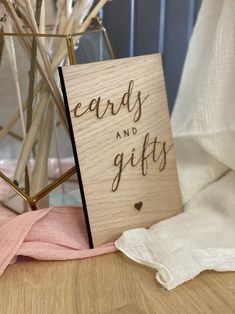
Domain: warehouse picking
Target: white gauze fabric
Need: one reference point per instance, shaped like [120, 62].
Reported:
[203, 122]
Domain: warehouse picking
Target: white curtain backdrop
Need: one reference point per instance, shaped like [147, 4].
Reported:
[203, 122]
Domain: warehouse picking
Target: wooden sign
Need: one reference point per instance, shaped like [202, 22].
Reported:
[120, 129]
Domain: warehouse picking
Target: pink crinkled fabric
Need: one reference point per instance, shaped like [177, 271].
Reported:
[56, 233]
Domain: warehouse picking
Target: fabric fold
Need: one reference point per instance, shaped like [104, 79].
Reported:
[56, 233]
[13, 233]
[201, 238]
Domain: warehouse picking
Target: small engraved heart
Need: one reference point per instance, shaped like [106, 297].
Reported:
[138, 205]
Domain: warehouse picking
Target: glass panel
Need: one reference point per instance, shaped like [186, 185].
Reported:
[92, 47]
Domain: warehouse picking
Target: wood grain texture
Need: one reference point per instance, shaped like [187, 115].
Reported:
[109, 284]
[123, 143]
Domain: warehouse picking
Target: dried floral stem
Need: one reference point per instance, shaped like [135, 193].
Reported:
[55, 132]
[31, 86]
[30, 138]
[41, 164]
[1, 45]
[42, 23]
[12, 59]
[33, 69]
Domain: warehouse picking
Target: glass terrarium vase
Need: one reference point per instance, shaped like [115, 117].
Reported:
[36, 161]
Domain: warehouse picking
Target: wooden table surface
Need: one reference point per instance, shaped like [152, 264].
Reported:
[108, 284]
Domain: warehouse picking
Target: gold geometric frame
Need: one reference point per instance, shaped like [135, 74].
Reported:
[32, 200]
